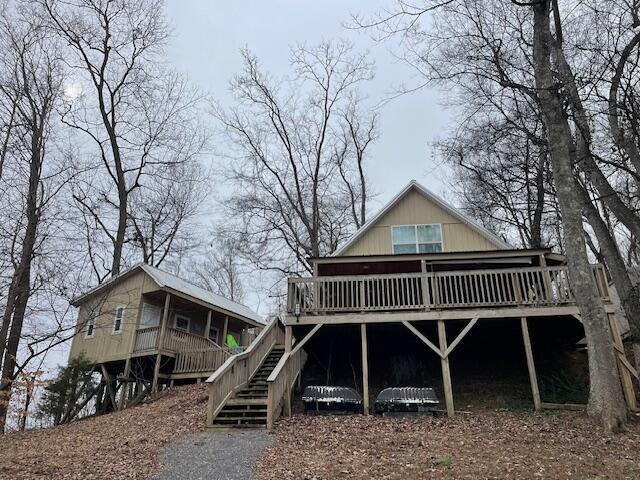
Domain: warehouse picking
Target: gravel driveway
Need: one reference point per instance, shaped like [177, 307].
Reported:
[213, 455]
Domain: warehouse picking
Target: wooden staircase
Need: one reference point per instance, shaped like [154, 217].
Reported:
[249, 406]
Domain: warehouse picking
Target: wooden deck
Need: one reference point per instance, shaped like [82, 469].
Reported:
[531, 291]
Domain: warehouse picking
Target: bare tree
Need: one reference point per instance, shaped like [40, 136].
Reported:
[503, 50]
[139, 118]
[219, 269]
[300, 147]
[162, 214]
[29, 89]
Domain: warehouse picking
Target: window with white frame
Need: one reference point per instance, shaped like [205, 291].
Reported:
[182, 323]
[118, 319]
[213, 334]
[90, 327]
[416, 238]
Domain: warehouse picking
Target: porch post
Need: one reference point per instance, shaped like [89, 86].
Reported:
[165, 320]
[365, 369]
[533, 378]
[207, 327]
[225, 328]
[446, 373]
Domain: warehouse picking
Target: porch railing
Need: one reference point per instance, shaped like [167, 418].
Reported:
[531, 286]
[238, 369]
[204, 360]
[174, 340]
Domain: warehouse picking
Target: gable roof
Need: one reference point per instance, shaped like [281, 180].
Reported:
[428, 194]
[172, 282]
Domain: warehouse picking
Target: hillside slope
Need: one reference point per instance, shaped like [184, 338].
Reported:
[121, 445]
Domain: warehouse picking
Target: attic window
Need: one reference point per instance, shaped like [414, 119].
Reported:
[416, 238]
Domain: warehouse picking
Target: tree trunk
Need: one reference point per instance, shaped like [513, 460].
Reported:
[22, 278]
[605, 395]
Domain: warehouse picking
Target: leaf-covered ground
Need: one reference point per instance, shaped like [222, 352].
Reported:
[499, 445]
[122, 445]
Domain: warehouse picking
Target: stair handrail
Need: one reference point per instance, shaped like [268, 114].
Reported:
[238, 369]
[281, 381]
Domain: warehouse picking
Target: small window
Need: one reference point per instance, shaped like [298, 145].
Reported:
[118, 319]
[213, 334]
[182, 323]
[90, 327]
[416, 238]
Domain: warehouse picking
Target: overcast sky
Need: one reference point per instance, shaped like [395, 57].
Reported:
[208, 35]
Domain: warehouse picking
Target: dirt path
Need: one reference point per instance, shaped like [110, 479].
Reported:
[213, 455]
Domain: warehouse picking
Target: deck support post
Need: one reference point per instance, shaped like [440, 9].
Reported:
[127, 368]
[533, 377]
[365, 369]
[156, 373]
[109, 389]
[625, 376]
[446, 373]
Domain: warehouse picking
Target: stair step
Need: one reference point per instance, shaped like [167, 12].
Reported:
[241, 413]
[231, 427]
[249, 408]
[238, 409]
[240, 421]
[244, 401]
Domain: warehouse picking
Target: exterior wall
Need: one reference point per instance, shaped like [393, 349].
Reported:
[414, 208]
[105, 345]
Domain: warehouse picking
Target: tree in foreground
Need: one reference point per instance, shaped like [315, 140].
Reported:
[515, 68]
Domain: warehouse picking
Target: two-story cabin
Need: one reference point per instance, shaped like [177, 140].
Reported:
[147, 326]
[422, 276]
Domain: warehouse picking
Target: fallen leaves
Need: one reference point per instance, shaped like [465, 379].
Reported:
[499, 445]
[121, 445]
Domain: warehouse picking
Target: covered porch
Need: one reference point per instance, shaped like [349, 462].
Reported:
[185, 338]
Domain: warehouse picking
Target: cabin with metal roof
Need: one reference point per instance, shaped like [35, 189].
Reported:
[145, 328]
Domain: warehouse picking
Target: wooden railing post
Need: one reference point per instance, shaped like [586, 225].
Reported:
[165, 320]
[426, 300]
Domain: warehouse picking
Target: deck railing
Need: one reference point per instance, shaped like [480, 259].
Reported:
[238, 369]
[530, 286]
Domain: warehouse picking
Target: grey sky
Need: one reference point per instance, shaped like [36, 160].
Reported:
[207, 37]
[209, 34]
